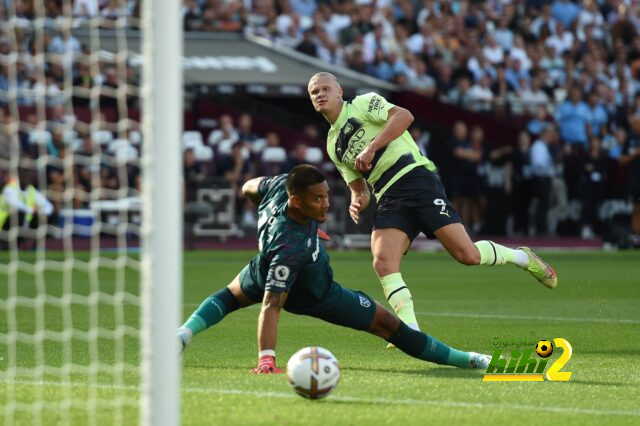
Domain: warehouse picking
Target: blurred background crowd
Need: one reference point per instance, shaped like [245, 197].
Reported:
[567, 71]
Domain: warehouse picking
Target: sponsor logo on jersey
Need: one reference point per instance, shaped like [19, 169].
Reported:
[364, 301]
[375, 103]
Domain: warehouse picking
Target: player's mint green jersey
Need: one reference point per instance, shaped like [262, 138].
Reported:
[290, 252]
[360, 121]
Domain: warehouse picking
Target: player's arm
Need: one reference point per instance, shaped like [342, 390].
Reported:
[398, 121]
[360, 197]
[250, 189]
[272, 304]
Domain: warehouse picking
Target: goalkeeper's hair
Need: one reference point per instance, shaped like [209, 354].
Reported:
[301, 177]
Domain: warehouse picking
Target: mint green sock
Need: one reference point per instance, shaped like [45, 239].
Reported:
[494, 254]
[422, 346]
[458, 358]
[211, 311]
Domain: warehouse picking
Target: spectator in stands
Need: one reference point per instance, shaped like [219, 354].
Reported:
[245, 129]
[521, 176]
[464, 179]
[236, 170]
[192, 15]
[422, 138]
[542, 171]
[540, 120]
[296, 158]
[21, 197]
[224, 136]
[481, 95]
[193, 174]
[307, 45]
[572, 116]
[82, 84]
[460, 94]
[594, 176]
[598, 120]
[631, 158]
[530, 97]
[234, 167]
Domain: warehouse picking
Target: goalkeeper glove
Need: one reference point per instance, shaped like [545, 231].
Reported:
[267, 365]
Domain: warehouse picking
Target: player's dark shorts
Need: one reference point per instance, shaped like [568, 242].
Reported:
[415, 203]
[337, 305]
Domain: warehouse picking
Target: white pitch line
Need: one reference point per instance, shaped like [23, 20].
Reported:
[375, 401]
[501, 316]
[528, 317]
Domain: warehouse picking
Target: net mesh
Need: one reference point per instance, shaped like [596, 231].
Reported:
[69, 271]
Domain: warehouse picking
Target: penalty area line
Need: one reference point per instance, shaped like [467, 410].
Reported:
[345, 398]
[528, 317]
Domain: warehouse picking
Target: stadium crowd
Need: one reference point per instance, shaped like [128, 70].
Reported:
[572, 69]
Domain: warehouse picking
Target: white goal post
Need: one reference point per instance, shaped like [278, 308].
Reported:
[161, 268]
[91, 116]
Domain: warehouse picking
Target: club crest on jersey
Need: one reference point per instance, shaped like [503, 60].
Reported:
[281, 272]
[364, 302]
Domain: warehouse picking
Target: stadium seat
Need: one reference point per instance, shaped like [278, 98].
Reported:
[125, 154]
[273, 158]
[40, 137]
[258, 145]
[135, 137]
[118, 144]
[274, 154]
[313, 155]
[192, 138]
[103, 137]
[191, 144]
[203, 153]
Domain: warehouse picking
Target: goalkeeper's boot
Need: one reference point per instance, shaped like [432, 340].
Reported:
[540, 269]
[184, 338]
[479, 361]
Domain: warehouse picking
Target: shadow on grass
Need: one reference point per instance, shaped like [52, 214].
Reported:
[444, 372]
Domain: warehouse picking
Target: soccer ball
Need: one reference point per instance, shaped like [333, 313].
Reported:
[313, 372]
[544, 348]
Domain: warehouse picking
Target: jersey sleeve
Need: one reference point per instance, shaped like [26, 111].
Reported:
[284, 268]
[269, 183]
[347, 173]
[373, 107]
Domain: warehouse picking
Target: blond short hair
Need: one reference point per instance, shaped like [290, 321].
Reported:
[324, 74]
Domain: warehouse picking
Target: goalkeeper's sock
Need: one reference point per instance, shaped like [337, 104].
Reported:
[211, 311]
[427, 348]
[492, 254]
[399, 297]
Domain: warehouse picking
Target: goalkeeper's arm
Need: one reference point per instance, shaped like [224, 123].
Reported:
[250, 189]
[268, 331]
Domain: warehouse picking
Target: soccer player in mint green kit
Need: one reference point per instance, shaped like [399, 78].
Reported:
[369, 143]
[292, 272]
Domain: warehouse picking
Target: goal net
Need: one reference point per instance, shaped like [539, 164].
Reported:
[90, 211]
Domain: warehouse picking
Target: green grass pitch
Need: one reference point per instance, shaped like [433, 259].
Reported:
[596, 307]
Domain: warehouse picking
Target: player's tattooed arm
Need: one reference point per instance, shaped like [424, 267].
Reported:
[250, 189]
[272, 303]
[360, 197]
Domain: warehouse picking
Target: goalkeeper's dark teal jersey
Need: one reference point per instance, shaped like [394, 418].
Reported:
[290, 252]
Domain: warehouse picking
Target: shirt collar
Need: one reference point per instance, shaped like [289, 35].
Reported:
[342, 118]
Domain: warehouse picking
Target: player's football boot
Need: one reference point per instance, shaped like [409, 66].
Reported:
[479, 361]
[540, 269]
